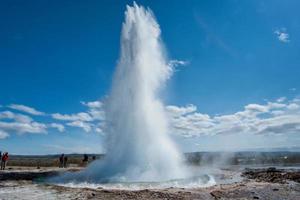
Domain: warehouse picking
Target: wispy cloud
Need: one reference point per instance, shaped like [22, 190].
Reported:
[82, 116]
[179, 111]
[15, 116]
[281, 99]
[271, 118]
[59, 127]
[3, 134]
[11, 122]
[87, 127]
[92, 104]
[175, 63]
[88, 120]
[21, 128]
[26, 109]
[95, 109]
[282, 35]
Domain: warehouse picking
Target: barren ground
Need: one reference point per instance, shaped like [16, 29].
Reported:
[265, 183]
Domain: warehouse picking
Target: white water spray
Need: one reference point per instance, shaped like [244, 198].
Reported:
[138, 146]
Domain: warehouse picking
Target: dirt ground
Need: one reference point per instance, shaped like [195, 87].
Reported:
[256, 184]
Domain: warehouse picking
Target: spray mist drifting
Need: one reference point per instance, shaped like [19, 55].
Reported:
[138, 146]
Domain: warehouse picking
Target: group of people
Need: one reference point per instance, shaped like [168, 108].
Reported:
[85, 159]
[4, 159]
[63, 161]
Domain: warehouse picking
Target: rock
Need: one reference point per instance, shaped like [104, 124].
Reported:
[216, 194]
[271, 169]
[272, 175]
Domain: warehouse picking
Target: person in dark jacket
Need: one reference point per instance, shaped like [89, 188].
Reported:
[61, 161]
[65, 161]
[85, 159]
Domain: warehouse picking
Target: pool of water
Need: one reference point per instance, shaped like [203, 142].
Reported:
[201, 177]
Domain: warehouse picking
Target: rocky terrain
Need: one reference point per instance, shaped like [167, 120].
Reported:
[273, 175]
[263, 183]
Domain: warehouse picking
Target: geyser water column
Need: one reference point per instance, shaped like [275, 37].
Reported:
[138, 144]
[139, 147]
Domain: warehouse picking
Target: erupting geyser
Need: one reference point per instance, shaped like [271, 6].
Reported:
[138, 146]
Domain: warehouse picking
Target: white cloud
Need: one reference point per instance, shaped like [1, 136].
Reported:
[282, 35]
[269, 118]
[82, 116]
[26, 109]
[277, 112]
[11, 122]
[178, 111]
[95, 110]
[256, 108]
[18, 123]
[59, 127]
[99, 130]
[275, 105]
[87, 127]
[273, 117]
[21, 128]
[85, 120]
[17, 117]
[293, 106]
[80, 120]
[3, 134]
[281, 99]
[97, 114]
[174, 63]
[93, 104]
[282, 124]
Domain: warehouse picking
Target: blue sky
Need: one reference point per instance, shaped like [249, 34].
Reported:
[56, 56]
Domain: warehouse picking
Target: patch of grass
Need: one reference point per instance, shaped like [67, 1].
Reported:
[47, 160]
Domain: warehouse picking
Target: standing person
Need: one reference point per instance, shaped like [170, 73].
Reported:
[61, 161]
[1, 159]
[85, 159]
[65, 161]
[4, 160]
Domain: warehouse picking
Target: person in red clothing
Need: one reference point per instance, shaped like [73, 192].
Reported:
[4, 160]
